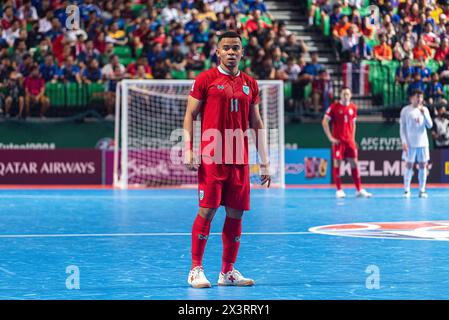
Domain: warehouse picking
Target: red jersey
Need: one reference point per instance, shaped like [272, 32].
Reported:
[343, 119]
[226, 105]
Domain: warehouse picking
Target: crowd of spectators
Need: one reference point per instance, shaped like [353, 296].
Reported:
[415, 33]
[40, 44]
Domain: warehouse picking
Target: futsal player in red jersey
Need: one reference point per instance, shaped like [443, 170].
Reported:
[227, 100]
[343, 115]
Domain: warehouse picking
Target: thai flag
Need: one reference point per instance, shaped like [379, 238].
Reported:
[356, 77]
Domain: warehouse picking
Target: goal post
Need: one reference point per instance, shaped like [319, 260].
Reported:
[148, 133]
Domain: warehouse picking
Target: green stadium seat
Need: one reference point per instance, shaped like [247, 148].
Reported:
[178, 74]
[318, 16]
[122, 51]
[126, 61]
[287, 90]
[55, 93]
[327, 26]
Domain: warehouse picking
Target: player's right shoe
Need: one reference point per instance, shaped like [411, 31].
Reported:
[363, 194]
[340, 194]
[407, 194]
[234, 278]
[197, 278]
[423, 194]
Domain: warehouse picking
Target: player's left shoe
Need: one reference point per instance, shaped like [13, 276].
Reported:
[423, 194]
[363, 194]
[234, 278]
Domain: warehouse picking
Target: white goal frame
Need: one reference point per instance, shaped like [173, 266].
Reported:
[121, 125]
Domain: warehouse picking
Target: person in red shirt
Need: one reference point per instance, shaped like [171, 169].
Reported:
[227, 100]
[343, 115]
[34, 92]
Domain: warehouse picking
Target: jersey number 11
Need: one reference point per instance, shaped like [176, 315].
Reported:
[234, 105]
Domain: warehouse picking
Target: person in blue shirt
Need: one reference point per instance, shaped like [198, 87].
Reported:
[417, 84]
[201, 36]
[238, 6]
[70, 72]
[423, 71]
[92, 74]
[435, 90]
[404, 73]
[258, 5]
[49, 71]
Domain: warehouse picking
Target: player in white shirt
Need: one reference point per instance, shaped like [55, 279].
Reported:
[414, 121]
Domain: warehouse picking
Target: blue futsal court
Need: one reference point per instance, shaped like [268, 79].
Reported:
[135, 244]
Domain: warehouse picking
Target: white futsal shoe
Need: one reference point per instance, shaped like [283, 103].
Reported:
[340, 194]
[197, 278]
[234, 278]
[423, 194]
[363, 194]
[407, 194]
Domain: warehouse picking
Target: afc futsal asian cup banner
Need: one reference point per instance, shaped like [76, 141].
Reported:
[388, 167]
[59, 167]
[308, 166]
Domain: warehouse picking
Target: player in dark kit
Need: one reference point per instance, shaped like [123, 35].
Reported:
[343, 115]
[228, 100]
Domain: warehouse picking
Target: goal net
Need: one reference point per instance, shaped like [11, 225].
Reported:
[149, 135]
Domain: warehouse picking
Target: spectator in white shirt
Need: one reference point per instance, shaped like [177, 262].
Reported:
[440, 131]
[170, 12]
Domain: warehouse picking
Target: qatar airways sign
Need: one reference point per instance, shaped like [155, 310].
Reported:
[64, 166]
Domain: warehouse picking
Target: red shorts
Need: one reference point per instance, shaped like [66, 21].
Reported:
[223, 184]
[344, 150]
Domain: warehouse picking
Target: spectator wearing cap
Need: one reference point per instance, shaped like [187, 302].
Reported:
[383, 50]
[440, 130]
[34, 86]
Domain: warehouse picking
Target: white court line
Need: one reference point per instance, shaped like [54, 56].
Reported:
[156, 234]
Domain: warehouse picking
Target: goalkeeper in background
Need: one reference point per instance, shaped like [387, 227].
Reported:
[227, 99]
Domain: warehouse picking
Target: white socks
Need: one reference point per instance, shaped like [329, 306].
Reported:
[422, 178]
[408, 174]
